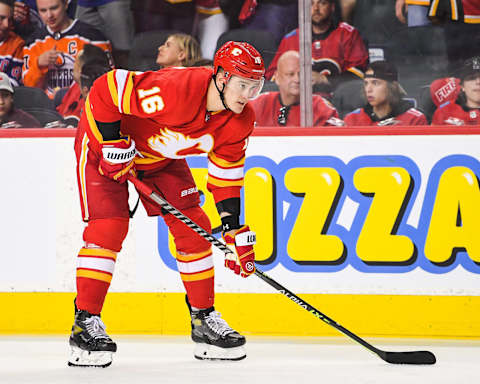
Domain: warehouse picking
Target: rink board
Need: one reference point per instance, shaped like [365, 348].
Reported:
[377, 231]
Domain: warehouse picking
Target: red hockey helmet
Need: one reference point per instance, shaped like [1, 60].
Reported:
[240, 59]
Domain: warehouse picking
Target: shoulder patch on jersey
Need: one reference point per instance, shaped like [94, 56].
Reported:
[415, 112]
[444, 104]
[355, 111]
[38, 34]
[346, 26]
[87, 31]
[291, 33]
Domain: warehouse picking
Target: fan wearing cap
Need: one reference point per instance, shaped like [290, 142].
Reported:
[147, 124]
[465, 110]
[385, 103]
[11, 117]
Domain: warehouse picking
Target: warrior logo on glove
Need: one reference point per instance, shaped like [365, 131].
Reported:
[118, 159]
[242, 261]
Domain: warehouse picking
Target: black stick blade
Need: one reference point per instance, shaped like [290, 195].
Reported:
[416, 357]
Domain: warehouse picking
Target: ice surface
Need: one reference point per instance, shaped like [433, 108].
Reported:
[168, 359]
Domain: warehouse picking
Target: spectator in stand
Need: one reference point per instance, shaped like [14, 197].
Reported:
[11, 45]
[11, 117]
[179, 50]
[91, 72]
[415, 10]
[72, 103]
[52, 50]
[151, 15]
[385, 104]
[338, 51]
[277, 109]
[211, 23]
[276, 16]
[114, 19]
[465, 110]
[26, 18]
[461, 19]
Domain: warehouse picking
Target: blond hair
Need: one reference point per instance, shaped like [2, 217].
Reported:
[190, 46]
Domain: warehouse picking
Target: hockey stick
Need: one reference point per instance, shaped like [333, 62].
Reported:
[414, 357]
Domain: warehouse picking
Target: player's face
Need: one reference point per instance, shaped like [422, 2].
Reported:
[5, 17]
[288, 77]
[471, 87]
[53, 13]
[6, 103]
[321, 11]
[376, 91]
[170, 54]
[239, 91]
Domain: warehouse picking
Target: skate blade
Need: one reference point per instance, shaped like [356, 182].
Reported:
[211, 352]
[81, 358]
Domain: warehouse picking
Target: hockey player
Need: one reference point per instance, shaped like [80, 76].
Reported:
[385, 104]
[465, 110]
[276, 109]
[148, 123]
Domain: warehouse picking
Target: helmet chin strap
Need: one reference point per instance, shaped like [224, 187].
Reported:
[221, 92]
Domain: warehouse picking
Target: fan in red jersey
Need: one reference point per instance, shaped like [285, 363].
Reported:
[149, 123]
[338, 51]
[385, 103]
[465, 110]
[277, 109]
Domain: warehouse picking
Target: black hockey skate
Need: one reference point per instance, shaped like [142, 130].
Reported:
[90, 345]
[214, 338]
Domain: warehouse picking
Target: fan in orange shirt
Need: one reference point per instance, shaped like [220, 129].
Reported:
[51, 51]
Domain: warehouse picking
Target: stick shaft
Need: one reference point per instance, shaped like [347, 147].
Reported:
[146, 190]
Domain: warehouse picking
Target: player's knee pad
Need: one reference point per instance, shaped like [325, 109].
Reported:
[106, 233]
[186, 239]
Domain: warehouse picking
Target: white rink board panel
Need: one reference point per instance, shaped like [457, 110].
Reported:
[41, 230]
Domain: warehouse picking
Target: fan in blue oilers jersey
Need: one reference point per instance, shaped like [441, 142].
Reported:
[11, 45]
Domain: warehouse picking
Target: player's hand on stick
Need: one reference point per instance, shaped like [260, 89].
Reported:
[118, 159]
[242, 261]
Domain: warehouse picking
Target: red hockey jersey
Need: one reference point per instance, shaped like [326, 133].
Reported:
[363, 117]
[72, 104]
[165, 112]
[452, 113]
[269, 112]
[342, 48]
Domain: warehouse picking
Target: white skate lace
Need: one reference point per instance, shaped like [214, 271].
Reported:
[217, 324]
[96, 327]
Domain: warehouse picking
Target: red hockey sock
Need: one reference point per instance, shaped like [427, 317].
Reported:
[200, 293]
[94, 274]
[91, 294]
